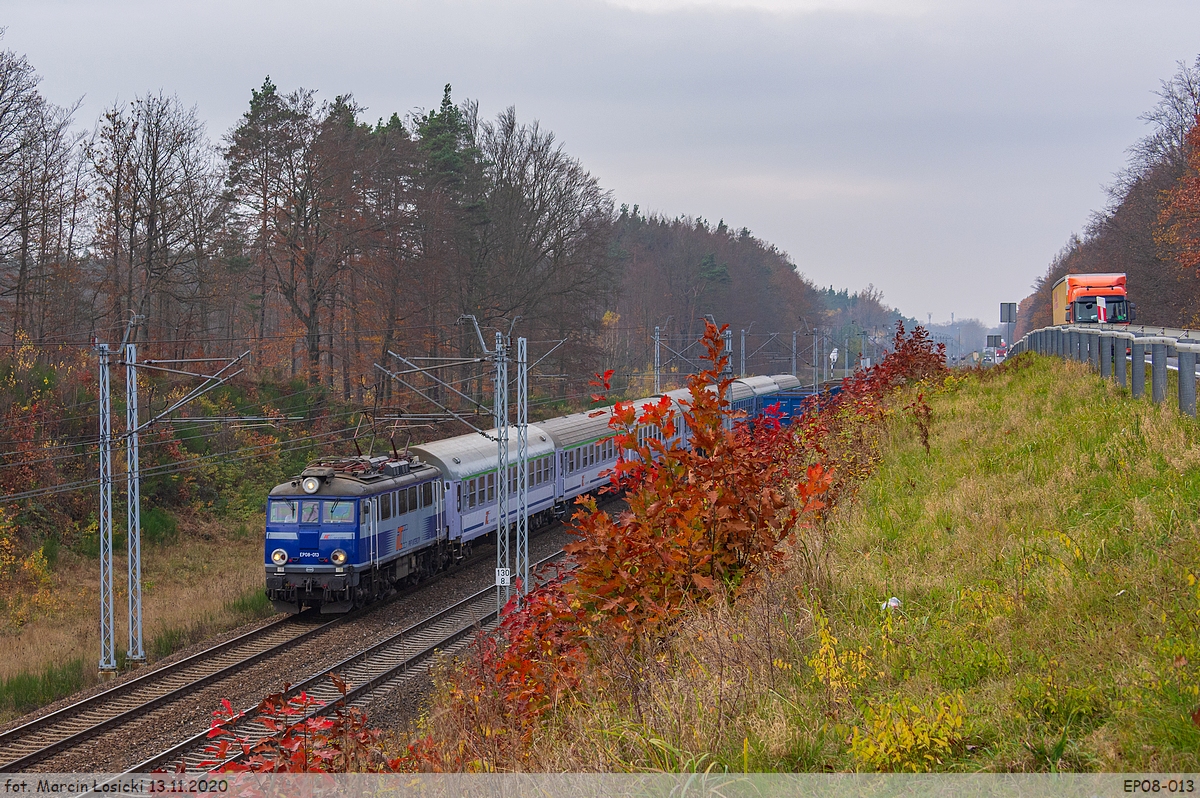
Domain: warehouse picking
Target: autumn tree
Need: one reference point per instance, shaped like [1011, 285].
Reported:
[158, 211]
[40, 203]
[1178, 226]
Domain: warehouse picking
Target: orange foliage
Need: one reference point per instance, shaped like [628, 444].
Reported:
[1178, 230]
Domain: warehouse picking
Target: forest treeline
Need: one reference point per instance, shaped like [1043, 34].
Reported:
[320, 241]
[1151, 228]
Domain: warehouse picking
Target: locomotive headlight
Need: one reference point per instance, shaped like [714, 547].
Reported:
[311, 484]
[279, 557]
[338, 557]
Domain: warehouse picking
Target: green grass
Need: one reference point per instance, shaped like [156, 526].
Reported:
[249, 606]
[1046, 552]
[26, 691]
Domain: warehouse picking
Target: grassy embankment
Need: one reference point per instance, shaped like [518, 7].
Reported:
[1045, 555]
[188, 582]
[1045, 552]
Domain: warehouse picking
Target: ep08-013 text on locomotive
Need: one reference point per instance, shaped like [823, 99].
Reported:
[346, 531]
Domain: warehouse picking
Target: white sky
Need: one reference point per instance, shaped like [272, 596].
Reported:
[943, 151]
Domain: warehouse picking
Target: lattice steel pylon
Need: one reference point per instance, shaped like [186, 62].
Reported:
[135, 652]
[521, 565]
[657, 360]
[108, 642]
[503, 561]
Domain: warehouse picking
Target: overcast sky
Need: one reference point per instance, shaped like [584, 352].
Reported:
[943, 151]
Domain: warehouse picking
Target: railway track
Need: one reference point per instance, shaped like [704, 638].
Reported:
[384, 664]
[379, 669]
[31, 742]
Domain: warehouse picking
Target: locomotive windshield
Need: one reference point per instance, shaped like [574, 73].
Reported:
[283, 511]
[309, 512]
[338, 512]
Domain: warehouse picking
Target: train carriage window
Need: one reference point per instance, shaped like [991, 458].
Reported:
[471, 494]
[412, 499]
[310, 512]
[491, 487]
[338, 512]
[283, 512]
[427, 494]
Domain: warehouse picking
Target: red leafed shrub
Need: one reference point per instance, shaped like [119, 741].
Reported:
[298, 743]
[700, 520]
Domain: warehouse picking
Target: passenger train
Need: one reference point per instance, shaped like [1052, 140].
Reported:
[346, 531]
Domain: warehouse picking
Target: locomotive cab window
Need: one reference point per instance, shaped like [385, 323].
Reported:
[310, 512]
[283, 512]
[402, 495]
[385, 506]
[427, 494]
[338, 512]
[412, 499]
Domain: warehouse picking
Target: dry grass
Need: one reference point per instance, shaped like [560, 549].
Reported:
[201, 583]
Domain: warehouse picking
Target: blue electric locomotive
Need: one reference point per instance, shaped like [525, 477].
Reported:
[346, 531]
